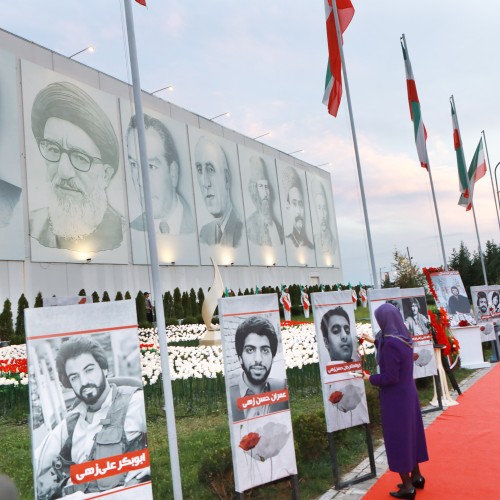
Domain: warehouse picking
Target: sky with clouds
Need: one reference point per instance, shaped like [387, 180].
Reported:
[264, 61]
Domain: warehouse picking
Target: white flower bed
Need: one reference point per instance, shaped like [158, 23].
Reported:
[299, 345]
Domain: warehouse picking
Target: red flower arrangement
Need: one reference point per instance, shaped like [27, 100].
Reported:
[428, 271]
[14, 365]
[335, 397]
[440, 324]
[293, 323]
[249, 441]
[463, 322]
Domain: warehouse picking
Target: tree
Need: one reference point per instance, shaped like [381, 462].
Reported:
[387, 283]
[20, 334]
[492, 258]
[461, 261]
[408, 275]
[95, 297]
[6, 325]
[168, 305]
[195, 310]
[178, 310]
[38, 300]
[127, 295]
[119, 296]
[201, 299]
[105, 297]
[140, 307]
[82, 293]
[186, 304]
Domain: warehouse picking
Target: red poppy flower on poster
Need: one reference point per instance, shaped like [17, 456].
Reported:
[335, 397]
[249, 441]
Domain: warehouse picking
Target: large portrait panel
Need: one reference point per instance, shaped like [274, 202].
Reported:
[219, 204]
[262, 208]
[11, 204]
[296, 215]
[74, 170]
[171, 188]
[326, 241]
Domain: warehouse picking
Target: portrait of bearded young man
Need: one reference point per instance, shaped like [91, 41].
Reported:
[80, 148]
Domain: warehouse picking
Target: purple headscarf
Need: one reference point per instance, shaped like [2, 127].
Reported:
[391, 323]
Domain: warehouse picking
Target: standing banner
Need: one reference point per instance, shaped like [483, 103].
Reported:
[344, 395]
[257, 391]
[451, 295]
[88, 421]
[414, 311]
[377, 297]
[486, 302]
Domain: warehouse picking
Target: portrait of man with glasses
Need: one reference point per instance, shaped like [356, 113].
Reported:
[79, 147]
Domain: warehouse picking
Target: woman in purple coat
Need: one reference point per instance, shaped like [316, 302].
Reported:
[401, 417]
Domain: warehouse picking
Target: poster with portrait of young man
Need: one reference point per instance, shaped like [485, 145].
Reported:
[323, 218]
[377, 297]
[343, 388]
[296, 215]
[257, 392]
[219, 204]
[486, 303]
[266, 238]
[416, 318]
[11, 203]
[451, 296]
[74, 169]
[88, 420]
[171, 188]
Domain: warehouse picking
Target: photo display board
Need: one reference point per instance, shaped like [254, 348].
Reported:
[413, 308]
[452, 296]
[257, 392]
[88, 420]
[344, 396]
[486, 302]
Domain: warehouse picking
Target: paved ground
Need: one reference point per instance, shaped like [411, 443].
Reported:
[358, 491]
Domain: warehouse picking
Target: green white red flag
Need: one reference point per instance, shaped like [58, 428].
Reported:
[459, 151]
[477, 170]
[415, 112]
[333, 83]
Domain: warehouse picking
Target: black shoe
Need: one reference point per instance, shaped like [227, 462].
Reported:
[409, 494]
[418, 483]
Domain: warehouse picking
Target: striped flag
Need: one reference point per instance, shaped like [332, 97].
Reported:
[415, 112]
[333, 83]
[477, 170]
[459, 151]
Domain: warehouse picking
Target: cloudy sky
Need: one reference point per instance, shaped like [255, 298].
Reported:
[264, 62]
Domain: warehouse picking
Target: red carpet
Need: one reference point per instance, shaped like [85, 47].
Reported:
[464, 447]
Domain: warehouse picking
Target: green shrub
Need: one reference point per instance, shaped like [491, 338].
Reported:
[20, 334]
[171, 322]
[140, 306]
[105, 297]
[6, 324]
[311, 440]
[119, 296]
[38, 300]
[216, 472]
[190, 320]
[296, 310]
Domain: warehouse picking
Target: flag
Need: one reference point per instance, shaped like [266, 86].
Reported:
[333, 83]
[142, 2]
[415, 112]
[477, 170]
[457, 144]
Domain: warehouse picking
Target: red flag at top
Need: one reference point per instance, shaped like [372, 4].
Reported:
[142, 2]
[333, 84]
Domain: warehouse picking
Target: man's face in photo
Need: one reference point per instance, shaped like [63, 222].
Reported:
[339, 341]
[414, 309]
[483, 304]
[264, 196]
[163, 177]
[78, 199]
[296, 207]
[256, 358]
[87, 378]
[454, 291]
[212, 177]
[321, 211]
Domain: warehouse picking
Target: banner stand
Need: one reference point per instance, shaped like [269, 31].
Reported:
[449, 373]
[437, 385]
[294, 478]
[336, 473]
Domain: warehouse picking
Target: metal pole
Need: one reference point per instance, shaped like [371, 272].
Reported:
[495, 194]
[356, 151]
[153, 253]
[496, 181]
[432, 190]
[472, 203]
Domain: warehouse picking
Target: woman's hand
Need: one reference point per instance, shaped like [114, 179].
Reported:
[366, 375]
[366, 336]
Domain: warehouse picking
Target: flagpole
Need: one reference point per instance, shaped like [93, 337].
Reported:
[153, 253]
[432, 188]
[471, 201]
[495, 198]
[355, 143]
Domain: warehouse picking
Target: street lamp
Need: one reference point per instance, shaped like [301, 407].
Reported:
[90, 48]
[169, 87]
